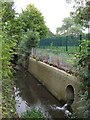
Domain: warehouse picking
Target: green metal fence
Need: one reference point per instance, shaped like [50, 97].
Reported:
[65, 43]
[59, 51]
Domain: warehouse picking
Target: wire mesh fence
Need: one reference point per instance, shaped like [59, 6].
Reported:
[60, 60]
[65, 43]
[59, 51]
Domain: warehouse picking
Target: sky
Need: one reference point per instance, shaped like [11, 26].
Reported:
[54, 11]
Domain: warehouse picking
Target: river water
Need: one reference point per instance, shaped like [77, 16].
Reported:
[30, 93]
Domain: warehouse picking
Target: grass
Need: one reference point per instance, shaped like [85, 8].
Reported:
[57, 56]
[62, 49]
[60, 53]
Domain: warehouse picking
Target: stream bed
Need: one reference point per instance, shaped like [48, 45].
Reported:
[30, 93]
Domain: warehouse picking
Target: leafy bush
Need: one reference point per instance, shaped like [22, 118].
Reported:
[8, 45]
[83, 66]
[34, 114]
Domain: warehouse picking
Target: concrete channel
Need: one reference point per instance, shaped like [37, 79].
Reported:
[62, 85]
[30, 93]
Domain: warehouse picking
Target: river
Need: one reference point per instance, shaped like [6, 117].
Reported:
[30, 93]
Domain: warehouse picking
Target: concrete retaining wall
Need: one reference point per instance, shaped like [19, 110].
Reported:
[61, 84]
[55, 80]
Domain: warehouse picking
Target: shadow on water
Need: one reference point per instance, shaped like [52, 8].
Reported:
[31, 93]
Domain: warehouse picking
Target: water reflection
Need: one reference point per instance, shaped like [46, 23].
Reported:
[31, 93]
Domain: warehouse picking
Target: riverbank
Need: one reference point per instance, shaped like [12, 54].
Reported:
[8, 99]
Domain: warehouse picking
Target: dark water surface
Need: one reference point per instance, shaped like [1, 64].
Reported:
[31, 93]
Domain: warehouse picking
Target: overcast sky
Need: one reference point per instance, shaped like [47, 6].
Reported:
[53, 10]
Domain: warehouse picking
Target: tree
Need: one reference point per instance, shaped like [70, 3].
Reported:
[81, 11]
[77, 1]
[33, 28]
[29, 39]
[69, 27]
[8, 12]
[32, 19]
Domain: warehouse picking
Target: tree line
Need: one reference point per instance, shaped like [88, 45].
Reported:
[19, 33]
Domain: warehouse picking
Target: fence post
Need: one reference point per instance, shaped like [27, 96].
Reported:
[66, 43]
[80, 43]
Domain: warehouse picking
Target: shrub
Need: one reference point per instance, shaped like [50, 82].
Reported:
[33, 114]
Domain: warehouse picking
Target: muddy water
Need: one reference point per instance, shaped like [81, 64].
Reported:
[31, 93]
